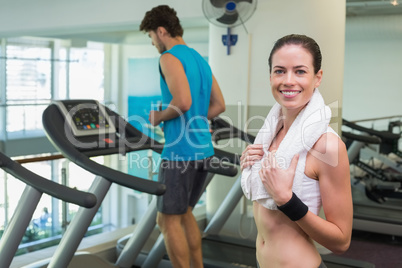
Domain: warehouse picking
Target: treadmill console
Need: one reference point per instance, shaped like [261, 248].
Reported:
[86, 117]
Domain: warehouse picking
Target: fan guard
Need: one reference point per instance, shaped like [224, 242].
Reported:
[226, 13]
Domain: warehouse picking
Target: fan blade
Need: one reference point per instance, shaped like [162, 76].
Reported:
[248, 1]
[218, 3]
[228, 18]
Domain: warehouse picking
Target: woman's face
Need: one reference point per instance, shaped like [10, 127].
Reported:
[292, 78]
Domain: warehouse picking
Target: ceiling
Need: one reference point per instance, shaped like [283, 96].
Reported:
[373, 7]
[354, 8]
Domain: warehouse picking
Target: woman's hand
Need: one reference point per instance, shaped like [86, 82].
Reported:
[277, 180]
[250, 155]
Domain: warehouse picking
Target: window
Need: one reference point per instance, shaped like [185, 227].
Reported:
[28, 85]
[34, 75]
[86, 73]
[33, 72]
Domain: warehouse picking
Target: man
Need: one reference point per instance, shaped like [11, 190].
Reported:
[190, 96]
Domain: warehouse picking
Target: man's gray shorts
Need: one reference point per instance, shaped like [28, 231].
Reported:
[184, 182]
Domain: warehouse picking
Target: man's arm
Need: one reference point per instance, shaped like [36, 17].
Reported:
[179, 87]
[217, 102]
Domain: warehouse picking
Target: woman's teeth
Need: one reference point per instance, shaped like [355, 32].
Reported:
[290, 93]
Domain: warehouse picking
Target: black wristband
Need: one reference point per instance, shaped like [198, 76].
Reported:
[295, 209]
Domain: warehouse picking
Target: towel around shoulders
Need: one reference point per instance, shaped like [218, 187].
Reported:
[307, 128]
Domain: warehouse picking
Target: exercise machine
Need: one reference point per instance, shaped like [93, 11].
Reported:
[389, 145]
[137, 253]
[35, 187]
[376, 179]
[81, 129]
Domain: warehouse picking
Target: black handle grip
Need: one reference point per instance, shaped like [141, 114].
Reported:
[222, 130]
[383, 135]
[219, 167]
[362, 138]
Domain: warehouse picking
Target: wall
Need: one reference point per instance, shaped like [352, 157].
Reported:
[244, 75]
[373, 66]
[144, 49]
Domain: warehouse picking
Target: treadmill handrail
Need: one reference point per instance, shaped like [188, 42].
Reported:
[217, 165]
[67, 194]
[362, 138]
[383, 135]
[230, 157]
[227, 131]
[70, 152]
[133, 182]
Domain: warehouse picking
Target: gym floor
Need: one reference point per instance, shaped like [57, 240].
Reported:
[384, 251]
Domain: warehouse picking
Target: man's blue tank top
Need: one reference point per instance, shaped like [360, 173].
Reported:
[187, 137]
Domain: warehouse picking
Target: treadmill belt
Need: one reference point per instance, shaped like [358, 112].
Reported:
[332, 261]
[220, 254]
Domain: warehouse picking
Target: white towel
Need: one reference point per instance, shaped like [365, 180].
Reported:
[307, 128]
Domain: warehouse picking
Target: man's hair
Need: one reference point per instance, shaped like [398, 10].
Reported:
[162, 16]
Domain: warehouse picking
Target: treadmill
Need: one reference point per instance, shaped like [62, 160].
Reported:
[35, 187]
[377, 195]
[81, 129]
[135, 249]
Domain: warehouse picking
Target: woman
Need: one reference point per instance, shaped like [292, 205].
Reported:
[297, 164]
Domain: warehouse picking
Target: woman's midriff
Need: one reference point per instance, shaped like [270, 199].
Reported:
[281, 242]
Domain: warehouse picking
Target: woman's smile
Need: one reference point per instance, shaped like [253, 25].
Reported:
[290, 93]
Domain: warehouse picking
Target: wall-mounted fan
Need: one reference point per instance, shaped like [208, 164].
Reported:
[228, 13]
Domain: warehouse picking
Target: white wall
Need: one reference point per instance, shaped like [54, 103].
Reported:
[244, 75]
[25, 17]
[373, 67]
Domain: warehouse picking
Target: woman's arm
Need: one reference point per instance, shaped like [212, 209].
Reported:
[328, 159]
[328, 162]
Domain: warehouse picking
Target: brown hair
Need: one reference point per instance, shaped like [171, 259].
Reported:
[162, 16]
[304, 41]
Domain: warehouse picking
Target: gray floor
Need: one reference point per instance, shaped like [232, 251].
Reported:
[384, 251]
